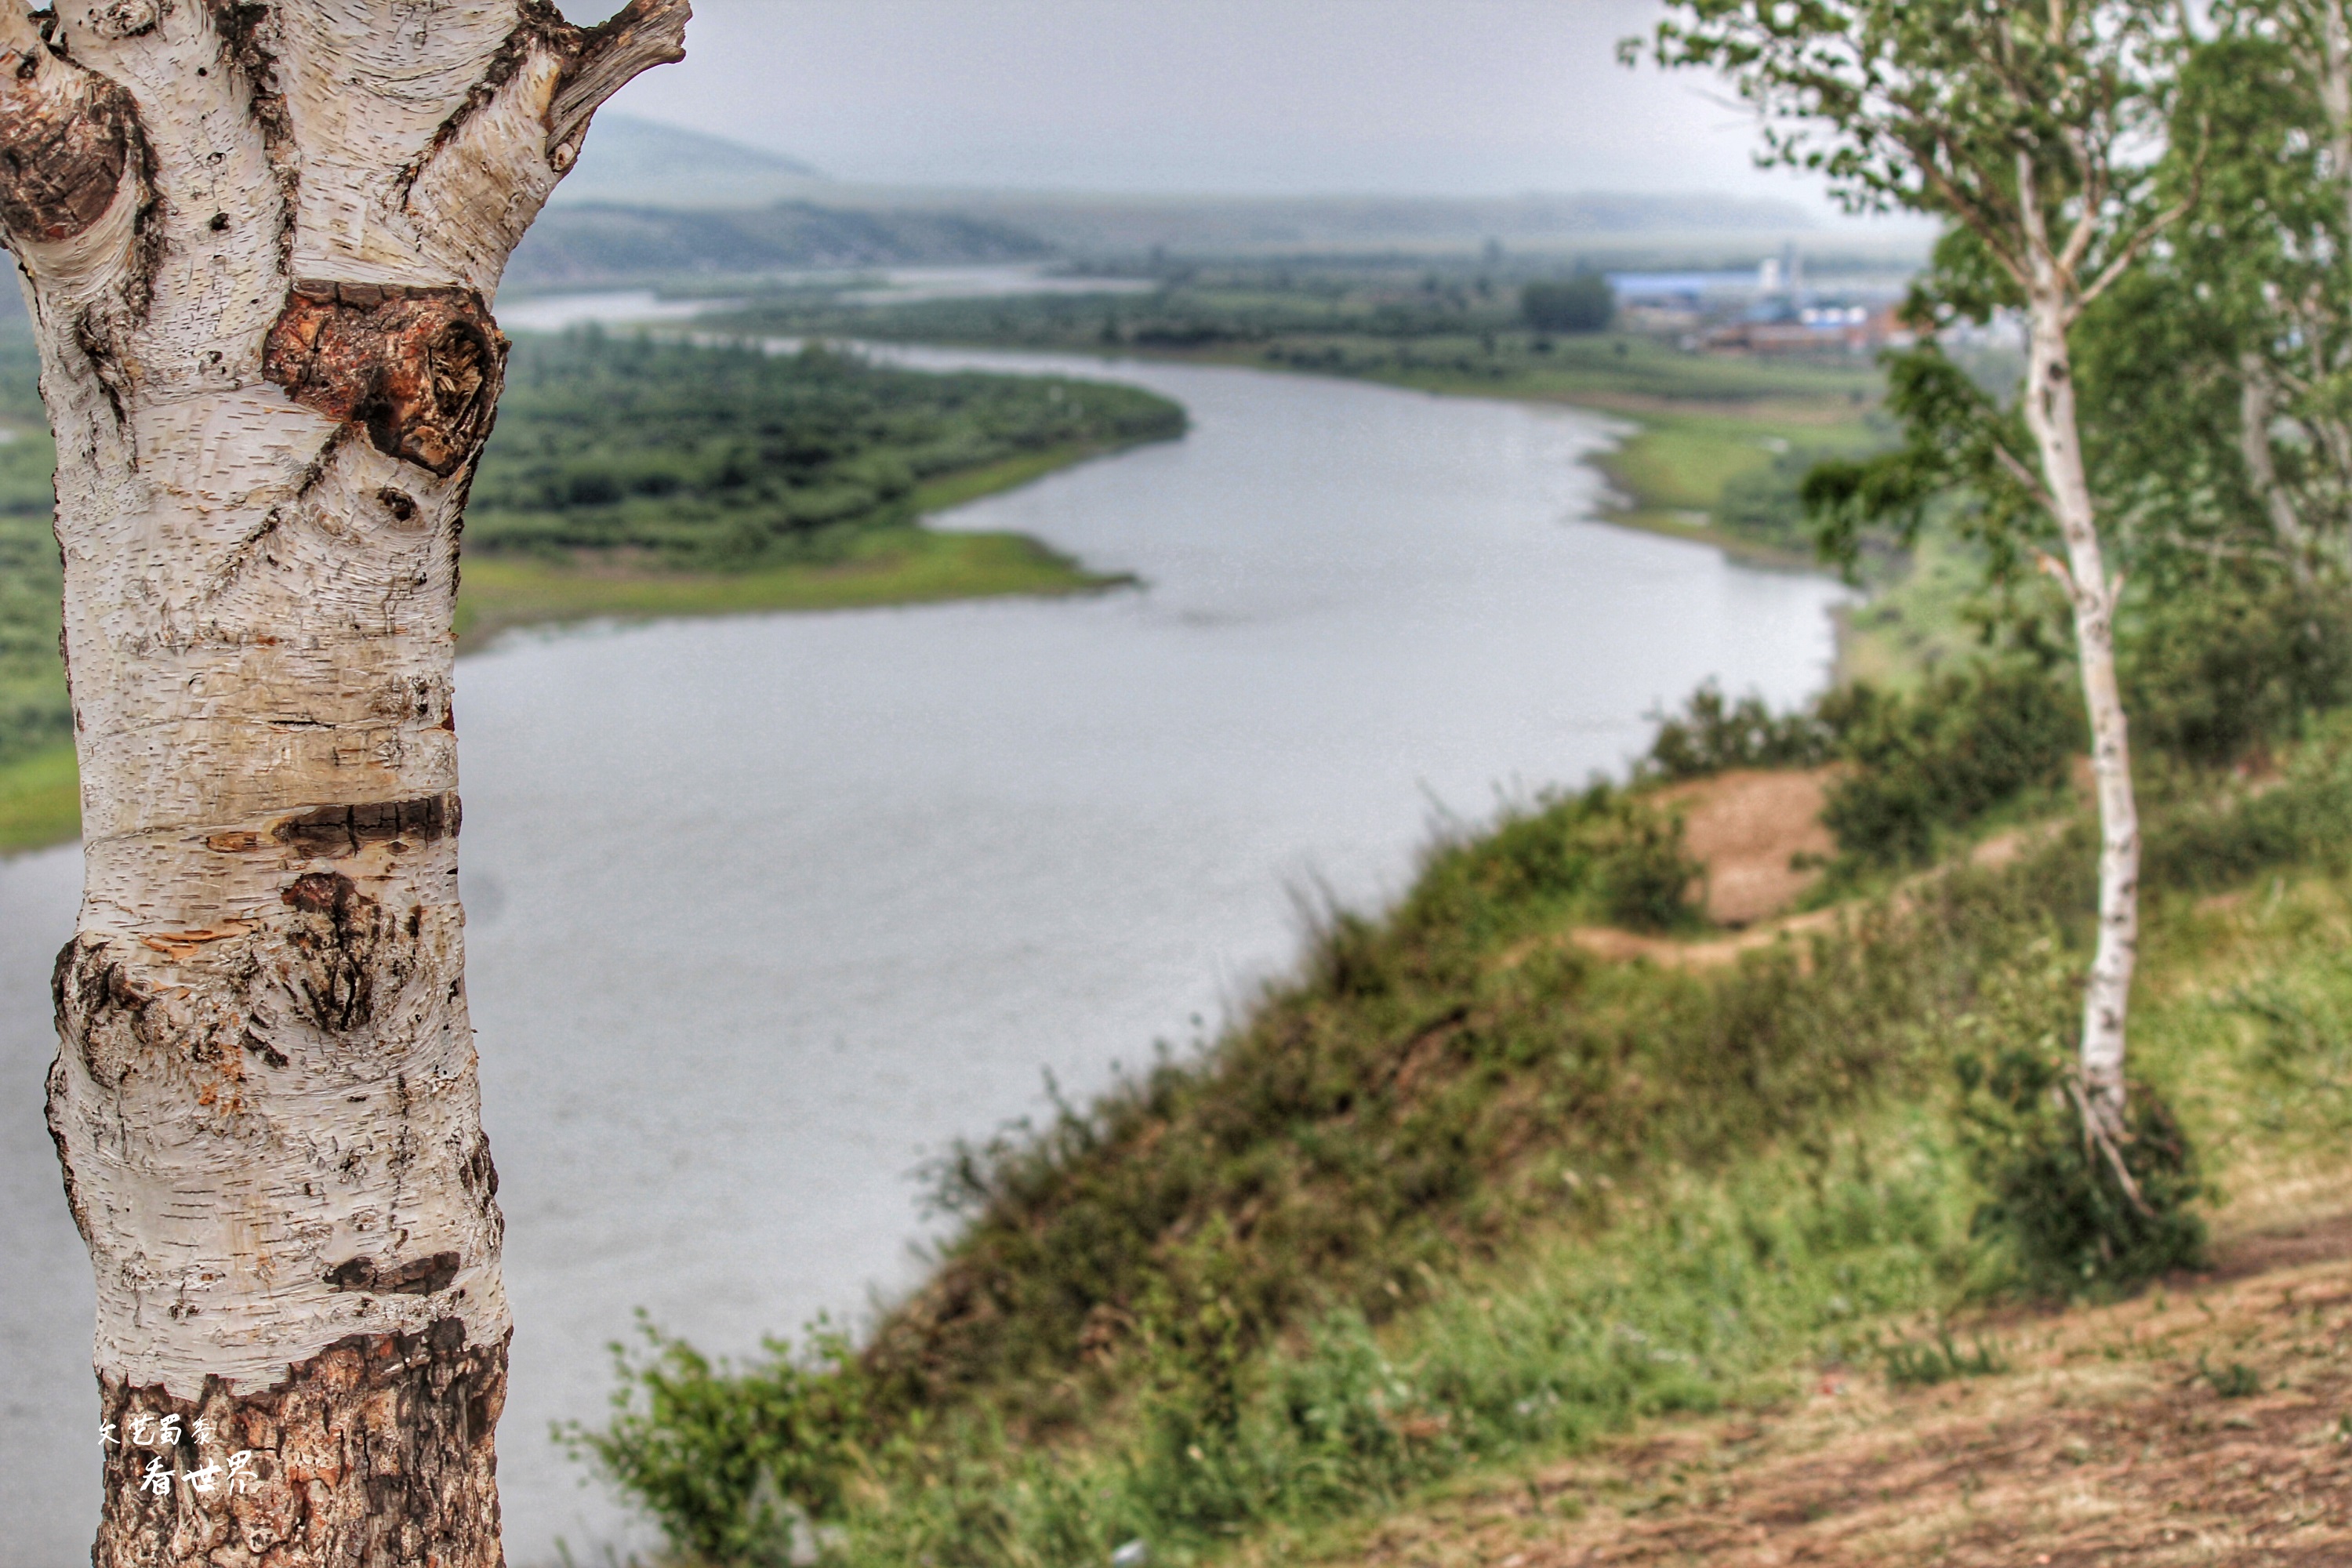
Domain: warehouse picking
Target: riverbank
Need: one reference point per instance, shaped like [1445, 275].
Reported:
[909, 564]
[1717, 442]
[629, 482]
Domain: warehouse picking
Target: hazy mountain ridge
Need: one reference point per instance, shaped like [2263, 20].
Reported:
[1227, 224]
[602, 245]
[645, 165]
[630, 160]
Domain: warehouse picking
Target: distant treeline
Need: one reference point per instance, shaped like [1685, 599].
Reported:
[592, 245]
[1239, 303]
[721, 456]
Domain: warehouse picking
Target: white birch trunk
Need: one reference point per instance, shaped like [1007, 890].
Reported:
[2050, 414]
[260, 242]
[2257, 409]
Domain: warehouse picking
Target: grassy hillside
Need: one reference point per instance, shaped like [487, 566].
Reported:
[1471, 1194]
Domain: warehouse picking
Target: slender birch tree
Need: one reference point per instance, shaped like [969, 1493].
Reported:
[260, 239]
[2032, 125]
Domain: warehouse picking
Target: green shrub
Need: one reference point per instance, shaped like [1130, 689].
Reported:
[1644, 874]
[2214, 838]
[2217, 673]
[1940, 759]
[1711, 736]
[1584, 304]
[728, 1460]
[2055, 1202]
[1918, 765]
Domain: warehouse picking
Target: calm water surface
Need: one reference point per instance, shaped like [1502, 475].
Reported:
[766, 911]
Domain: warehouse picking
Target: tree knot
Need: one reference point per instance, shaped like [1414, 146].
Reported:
[418, 369]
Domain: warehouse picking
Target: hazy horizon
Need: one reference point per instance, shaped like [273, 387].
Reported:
[1219, 99]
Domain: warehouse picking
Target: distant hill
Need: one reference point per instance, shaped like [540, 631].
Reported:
[604, 245]
[1101, 224]
[645, 162]
[782, 213]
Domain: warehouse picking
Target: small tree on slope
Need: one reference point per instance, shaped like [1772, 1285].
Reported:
[2032, 127]
[260, 238]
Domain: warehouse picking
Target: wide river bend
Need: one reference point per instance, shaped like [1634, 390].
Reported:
[765, 910]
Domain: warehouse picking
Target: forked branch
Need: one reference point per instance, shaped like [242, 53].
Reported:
[642, 35]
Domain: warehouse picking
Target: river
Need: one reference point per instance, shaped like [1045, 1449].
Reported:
[766, 911]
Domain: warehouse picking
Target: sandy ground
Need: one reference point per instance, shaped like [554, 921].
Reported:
[2204, 1423]
[1754, 830]
[1747, 827]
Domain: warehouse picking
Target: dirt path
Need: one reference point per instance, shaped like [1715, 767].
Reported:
[1752, 828]
[2204, 1423]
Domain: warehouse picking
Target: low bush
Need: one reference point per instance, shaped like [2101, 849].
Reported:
[1917, 766]
[2215, 837]
[2071, 1222]
[2215, 676]
[1936, 760]
[1643, 875]
[1712, 736]
[728, 1458]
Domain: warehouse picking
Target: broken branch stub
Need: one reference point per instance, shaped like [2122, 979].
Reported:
[260, 239]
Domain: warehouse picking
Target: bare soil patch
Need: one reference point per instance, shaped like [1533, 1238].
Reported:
[1749, 828]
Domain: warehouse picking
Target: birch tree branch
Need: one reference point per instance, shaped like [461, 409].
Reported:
[643, 35]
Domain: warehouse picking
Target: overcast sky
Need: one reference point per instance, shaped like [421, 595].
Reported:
[1472, 97]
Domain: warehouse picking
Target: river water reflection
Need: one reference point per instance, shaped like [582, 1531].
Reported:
[766, 911]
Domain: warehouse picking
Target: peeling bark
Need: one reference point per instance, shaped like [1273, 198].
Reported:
[377, 1451]
[260, 242]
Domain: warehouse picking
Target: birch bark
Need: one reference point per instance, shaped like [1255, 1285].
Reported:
[2050, 414]
[260, 242]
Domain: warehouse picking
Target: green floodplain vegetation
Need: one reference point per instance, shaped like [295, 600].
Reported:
[1715, 444]
[630, 478]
